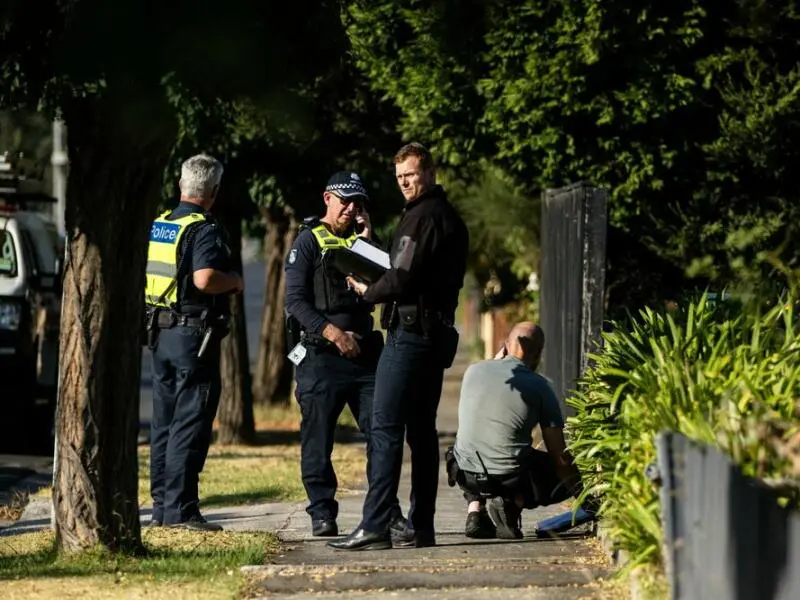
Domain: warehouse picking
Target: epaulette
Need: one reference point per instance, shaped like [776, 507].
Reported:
[309, 223]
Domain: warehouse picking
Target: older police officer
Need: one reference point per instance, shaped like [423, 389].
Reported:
[337, 350]
[420, 292]
[189, 278]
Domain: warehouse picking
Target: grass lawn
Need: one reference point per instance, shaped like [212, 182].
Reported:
[183, 564]
[179, 564]
[269, 470]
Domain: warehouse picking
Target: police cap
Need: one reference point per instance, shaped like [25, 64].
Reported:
[347, 184]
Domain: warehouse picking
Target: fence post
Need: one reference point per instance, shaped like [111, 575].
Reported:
[574, 224]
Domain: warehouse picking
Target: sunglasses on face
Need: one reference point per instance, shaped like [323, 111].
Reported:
[359, 202]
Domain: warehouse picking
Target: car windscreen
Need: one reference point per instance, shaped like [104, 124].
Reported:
[8, 254]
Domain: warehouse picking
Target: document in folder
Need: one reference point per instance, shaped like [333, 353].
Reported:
[363, 260]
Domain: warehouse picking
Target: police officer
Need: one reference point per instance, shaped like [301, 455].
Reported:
[337, 350]
[420, 295]
[189, 278]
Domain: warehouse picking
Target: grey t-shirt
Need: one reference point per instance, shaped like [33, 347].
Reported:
[501, 402]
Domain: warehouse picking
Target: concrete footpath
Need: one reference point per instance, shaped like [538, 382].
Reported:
[457, 567]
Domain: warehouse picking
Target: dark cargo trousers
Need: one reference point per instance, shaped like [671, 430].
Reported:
[326, 383]
[186, 392]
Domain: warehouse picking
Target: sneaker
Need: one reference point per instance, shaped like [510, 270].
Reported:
[324, 528]
[197, 523]
[507, 517]
[479, 526]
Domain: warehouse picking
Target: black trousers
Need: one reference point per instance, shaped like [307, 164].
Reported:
[408, 388]
[326, 383]
[186, 392]
[536, 480]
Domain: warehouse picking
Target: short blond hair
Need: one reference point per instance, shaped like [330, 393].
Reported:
[418, 150]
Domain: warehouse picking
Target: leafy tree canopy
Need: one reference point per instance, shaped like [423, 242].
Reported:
[685, 111]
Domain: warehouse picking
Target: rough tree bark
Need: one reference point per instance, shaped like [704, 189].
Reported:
[235, 414]
[273, 369]
[117, 151]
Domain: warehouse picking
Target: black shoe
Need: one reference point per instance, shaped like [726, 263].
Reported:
[423, 538]
[324, 528]
[197, 523]
[398, 526]
[507, 517]
[363, 540]
[156, 517]
[479, 526]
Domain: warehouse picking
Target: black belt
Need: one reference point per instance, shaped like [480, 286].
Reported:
[427, 317]
[167, 320]
[314, 339]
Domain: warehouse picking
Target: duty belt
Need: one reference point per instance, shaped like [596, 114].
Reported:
[167, 320]
[314, 339]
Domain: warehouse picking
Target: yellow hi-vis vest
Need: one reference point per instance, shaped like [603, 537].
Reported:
[328, 241]
[331, 292]
[161, 288]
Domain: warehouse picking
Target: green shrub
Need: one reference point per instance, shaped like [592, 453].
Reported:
[725, 374]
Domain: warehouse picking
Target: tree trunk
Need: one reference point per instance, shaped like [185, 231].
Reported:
[118, 152]
[273, 370]
[235, 414]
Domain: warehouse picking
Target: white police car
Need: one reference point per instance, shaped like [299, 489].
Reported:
[30, 308]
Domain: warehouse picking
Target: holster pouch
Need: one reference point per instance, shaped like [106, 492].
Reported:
[451, 467]
[150, 326]
[409, 317]
[292, 330]
[388, 315]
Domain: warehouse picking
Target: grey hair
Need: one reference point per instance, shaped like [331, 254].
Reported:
[200, 174]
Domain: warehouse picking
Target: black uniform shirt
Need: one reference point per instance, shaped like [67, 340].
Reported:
[209, 250]
[304, 257]
[429, 256]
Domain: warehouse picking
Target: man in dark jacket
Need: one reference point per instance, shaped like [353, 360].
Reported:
[420, 295]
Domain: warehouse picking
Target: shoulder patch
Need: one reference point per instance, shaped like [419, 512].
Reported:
[292, 256]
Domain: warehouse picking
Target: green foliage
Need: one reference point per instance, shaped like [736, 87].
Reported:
[685, 111]
[503, 225]
[726, 374]
[27, 132]
[279, 150]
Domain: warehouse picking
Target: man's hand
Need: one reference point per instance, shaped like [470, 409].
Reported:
[363, 220]
[355, 285]
[238, 283]
[345, 341]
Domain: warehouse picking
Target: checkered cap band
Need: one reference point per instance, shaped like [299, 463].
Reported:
[345, 184]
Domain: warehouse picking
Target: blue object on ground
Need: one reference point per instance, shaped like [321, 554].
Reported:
[563, 522]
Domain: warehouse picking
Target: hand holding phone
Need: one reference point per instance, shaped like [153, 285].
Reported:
[363, 224]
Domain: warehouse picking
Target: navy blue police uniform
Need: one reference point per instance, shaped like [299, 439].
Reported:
[185, 367]
[420, 296]
[318, 294]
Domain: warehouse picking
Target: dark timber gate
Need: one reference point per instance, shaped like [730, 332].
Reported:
[572, 281]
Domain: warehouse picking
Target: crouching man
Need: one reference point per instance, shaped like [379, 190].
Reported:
[502, 400]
